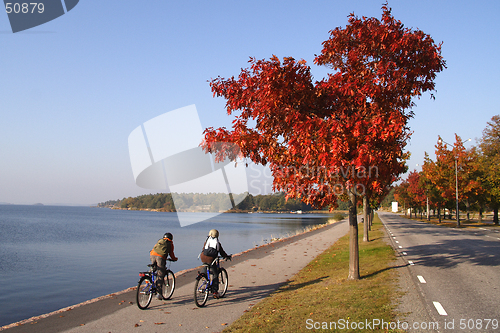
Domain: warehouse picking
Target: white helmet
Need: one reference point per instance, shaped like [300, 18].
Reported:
[214, 233]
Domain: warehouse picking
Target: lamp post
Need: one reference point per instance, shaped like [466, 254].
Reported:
[456, 176]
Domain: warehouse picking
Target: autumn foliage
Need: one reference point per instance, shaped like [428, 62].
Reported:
[325, 139]
[489, 165]
[469, 168]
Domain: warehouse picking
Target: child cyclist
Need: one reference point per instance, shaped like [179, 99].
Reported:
[211, 250]
[159, 254]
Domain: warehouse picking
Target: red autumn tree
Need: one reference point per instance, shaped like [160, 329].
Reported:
[432, 180]
[453, 167]
[489, 163]
[416, 192]
[324, 138]
[401, 194]
[457, 165]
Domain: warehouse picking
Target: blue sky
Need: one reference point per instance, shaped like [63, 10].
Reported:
[73, 89]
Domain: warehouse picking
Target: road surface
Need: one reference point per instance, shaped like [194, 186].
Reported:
[456, 272]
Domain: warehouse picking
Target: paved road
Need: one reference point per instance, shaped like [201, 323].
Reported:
[253, 275]
[456, 272]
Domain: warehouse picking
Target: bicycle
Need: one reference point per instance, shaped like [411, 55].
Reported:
[147, 285]
[203, 284]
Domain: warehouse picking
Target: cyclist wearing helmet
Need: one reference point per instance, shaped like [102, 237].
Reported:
[159, 254]
[211, 249]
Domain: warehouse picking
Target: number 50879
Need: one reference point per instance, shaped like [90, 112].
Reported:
[24, 8]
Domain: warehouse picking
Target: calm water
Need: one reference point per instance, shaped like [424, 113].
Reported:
[52, 257]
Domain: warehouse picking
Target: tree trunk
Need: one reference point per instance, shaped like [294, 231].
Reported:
[428, 209]
[353, 237]
[365, 219]
[371, 218]
[439, 214]
[495, 215]
[480, 218]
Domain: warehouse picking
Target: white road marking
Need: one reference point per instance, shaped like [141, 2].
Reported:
[439, 308]
[421, 279]
[492, 237]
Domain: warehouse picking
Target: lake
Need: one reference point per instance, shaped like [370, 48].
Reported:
[52, 257]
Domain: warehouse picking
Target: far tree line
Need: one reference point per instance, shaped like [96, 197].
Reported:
[163, 202]
[474, 170]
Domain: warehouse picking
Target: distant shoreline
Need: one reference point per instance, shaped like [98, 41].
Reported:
[236, 211]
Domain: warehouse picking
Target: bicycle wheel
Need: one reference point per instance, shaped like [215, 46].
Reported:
[144, 293]
[169, 284]
[201, 291]
[223, 282]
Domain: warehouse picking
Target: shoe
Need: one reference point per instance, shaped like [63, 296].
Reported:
[216, 295]
[159, 297]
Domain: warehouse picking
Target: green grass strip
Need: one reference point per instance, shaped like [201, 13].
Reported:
[320, 296]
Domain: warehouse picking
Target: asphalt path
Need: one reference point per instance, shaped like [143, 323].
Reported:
[456, 272]
[253, 275]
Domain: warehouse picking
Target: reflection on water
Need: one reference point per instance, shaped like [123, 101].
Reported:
[53, 257]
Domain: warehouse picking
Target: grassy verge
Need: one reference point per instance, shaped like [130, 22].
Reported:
[320, 294]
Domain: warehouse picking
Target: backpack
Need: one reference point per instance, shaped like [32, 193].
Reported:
[210, 251]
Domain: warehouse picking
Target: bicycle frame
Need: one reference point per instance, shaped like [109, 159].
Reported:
[204, 284]
[207, 274]
[147, 285]
[152, 273]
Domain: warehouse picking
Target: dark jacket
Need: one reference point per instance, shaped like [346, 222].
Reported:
[163, 248]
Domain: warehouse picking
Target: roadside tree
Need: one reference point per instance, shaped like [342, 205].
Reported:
[490, 163]
[323, 140]
[416, 192]
[433, 182]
